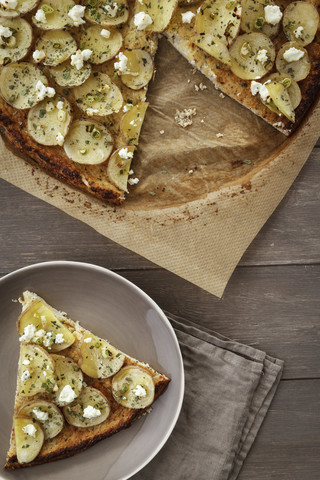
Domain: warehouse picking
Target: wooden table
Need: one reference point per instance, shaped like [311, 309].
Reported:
[272, 302]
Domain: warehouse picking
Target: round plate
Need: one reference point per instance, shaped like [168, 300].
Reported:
[112, 308]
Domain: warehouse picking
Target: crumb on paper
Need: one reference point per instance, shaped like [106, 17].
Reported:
[221, 95]
[202, 120]
[201, 87]
[161, 132]
[219, 135]
[190, 171]
[189, 80]
[278, 124]
[184, 117]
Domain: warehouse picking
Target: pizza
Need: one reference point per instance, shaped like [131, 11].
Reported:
[73, 387]
[74, 77]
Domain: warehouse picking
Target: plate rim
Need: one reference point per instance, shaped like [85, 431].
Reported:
[147, 298]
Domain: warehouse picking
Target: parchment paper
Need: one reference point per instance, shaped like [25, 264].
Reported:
[202, 197]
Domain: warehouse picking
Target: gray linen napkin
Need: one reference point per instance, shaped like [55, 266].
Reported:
[228, 390]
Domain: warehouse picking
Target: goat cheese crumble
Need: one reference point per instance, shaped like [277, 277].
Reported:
[293, 54]
[30, 430]
[272, 14]
[91, 412]
[187, 16]
[78, 58]
[142, 20]
[76, 14]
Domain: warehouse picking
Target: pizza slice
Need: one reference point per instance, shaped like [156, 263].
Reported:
[73, 388]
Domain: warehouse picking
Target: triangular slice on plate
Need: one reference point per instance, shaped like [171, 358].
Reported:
[73, 387]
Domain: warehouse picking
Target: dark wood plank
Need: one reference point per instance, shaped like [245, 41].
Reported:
[275, 309]
[288, 444]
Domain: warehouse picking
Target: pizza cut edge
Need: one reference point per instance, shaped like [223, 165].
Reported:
[73, 388]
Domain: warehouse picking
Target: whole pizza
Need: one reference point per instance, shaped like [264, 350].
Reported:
[74, 76]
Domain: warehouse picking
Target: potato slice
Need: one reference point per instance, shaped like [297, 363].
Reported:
[49, 331]
[291, 85]
[36, 371]
[98, 358]
[56, 12]
[300, 22]
[23, 6]
[103, 48]
[107, 12]
[58, 46]
[16, 47]
[89, 409]
[47, 123]
[99, 94]
[47, 414]
[131, 123]
[214, 46]
[160, 12]
[67, 75]
[119, 167]
[18, 84]
[299, 69]
[139, 69]
[29, 438]
[280, 99]
[133, 387]
[252, 56]
[220, 19]
[68, 374]
[253, 18]
[88, 142]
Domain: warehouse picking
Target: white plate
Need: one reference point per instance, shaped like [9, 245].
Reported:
[114, 308]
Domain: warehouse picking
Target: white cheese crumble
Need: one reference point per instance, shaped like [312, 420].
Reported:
[91, 111]
[47, 340]
[87, 340]
[139, 391]
[59, 338]
[59, 140]
[5, 32]
[262, 56]
[40, 16]
[121, 66]
[43, 91]
[133, 181]
[39, 333]
[60, 105]
[125, 154]
[298, 32]
[76, 14]
[24, 377]
[244, 49]
[67, 395]
[257, 87]
[142, 20]
[28, 333]
[91, 412]
[38, 55]
[26, 362]
[105, 33]
[127, 107]
[112, 9]
[39, 414]
[272, 14]
[30, 430]
[9, 4]
[78, 58]
[293, 54]
[187, 16]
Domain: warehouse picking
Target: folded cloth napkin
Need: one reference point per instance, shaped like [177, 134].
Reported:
[228, 390]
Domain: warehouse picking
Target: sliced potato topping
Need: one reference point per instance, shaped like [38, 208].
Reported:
[107, 12]
[68, 379]
[98, 358]
[252, 56]
[300, 22]
[39, 324]
[99, 94]
[160, 12]
[293, 60]
[291, 85]
[280, 99]
[103, 46]
[131, 123]
[47, 414]
[219, 18]
[49, 121]
[88, 142]
[18, 84]
[22, 6]
[214, 46]
[29, 438]
[67, 75]
[55, 14]
[253, 17]
[135, 68]
[57, 45]
[133, 387]
[89, 409]
[119, 167]
[17, 45]
[36, 371]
